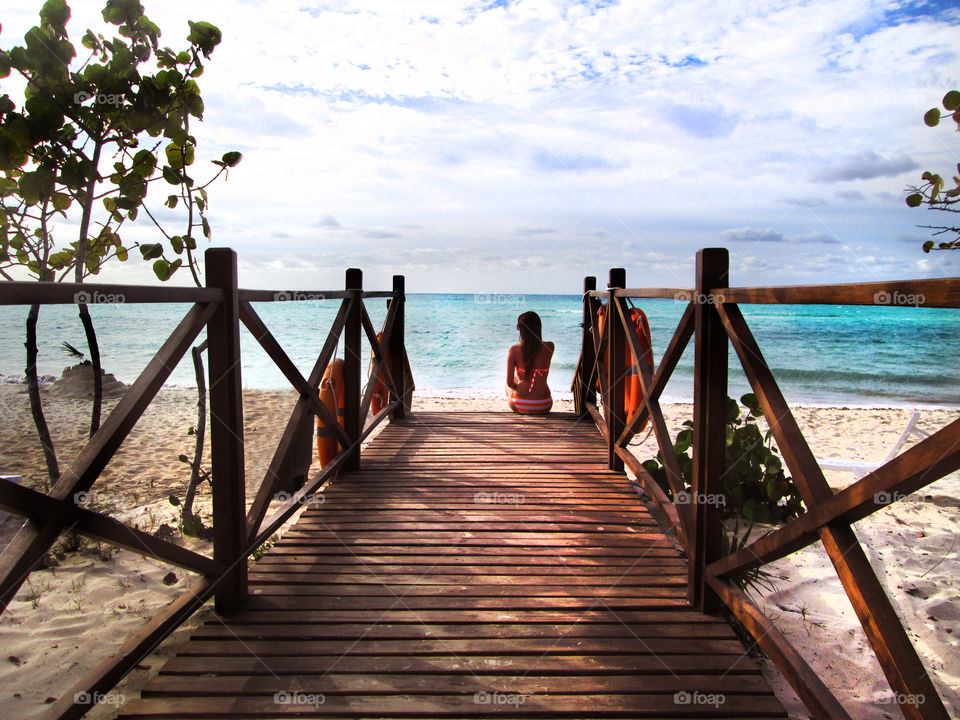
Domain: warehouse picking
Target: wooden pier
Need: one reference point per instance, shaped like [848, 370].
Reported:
[476, 565]
[467, 565]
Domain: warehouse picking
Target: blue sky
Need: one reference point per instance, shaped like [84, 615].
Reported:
[515, 146]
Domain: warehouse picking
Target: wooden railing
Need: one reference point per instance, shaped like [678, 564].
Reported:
[219, 307]
[712, 316]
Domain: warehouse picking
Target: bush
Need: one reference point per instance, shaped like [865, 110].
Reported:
[755, 484]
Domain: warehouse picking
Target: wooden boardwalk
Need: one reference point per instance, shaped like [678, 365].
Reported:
[477, 565]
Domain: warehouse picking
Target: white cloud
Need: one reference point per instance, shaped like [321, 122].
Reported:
[625, 129]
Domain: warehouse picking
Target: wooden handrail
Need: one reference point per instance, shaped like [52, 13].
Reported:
[713, 318]
[220, 307]
[51, 293]
[939, 293]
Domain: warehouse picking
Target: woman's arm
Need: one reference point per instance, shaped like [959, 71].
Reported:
[511, 370]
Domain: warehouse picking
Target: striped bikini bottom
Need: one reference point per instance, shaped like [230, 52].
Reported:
[531, 407]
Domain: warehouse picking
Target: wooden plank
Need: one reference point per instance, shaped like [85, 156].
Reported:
[407, 593]
[227, 478]
[740, 664]
[238, 685]
[352, 376]
[63, 293]
[460, 705]
[398, 631]
[705, 511]
[938, 292]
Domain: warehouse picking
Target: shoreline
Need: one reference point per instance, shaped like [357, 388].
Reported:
[470, 394]
[71, 615]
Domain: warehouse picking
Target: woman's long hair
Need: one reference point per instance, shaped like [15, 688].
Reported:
[530, 329]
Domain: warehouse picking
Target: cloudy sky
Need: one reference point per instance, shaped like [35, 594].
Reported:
[517, 145]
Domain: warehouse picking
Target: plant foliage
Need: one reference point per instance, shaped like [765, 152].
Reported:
[755, 484]
[933, 191]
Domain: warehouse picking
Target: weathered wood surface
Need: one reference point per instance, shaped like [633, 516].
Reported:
[476, 565]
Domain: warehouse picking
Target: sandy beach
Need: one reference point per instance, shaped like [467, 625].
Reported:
[88, 601]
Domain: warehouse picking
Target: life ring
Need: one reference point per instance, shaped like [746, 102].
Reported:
[381, 391]
[332, 396]
[633, 389]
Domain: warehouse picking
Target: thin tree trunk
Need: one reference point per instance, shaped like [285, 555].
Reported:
[199, 432]
[33, 389]
[85, 318]
[94, 346]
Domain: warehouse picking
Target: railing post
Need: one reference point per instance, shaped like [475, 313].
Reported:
[351, 367]
[397, 359]
[588, 353]
[616, 368]
[226, 431]
[709, 426]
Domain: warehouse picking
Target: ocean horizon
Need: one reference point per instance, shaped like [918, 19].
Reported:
[821, 355]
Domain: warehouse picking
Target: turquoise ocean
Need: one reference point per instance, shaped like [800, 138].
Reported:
[855, 356]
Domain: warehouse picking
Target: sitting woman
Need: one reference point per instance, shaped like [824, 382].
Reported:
[528, 363]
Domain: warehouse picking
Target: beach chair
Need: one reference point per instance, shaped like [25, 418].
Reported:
[860, 468]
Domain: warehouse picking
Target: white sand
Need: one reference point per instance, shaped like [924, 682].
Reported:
[66, 618]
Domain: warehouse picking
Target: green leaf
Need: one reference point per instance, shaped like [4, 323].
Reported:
[151, 250]
[932, 117]
[951, 101]
[171, 176]
[144, 163]
[232, 158]
[206, 228]
[914, 200]
[61, 201]
[928, 246]
[176, 242]
[122, 254]
[161, 268]
[172, 201]
[179, 156]
[204, 35]
[174, 500]
[55, 12]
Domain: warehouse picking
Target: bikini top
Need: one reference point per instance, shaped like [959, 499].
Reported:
[534, 374]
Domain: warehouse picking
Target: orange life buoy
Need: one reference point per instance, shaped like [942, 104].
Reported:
[332, 396]
[633, 389]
